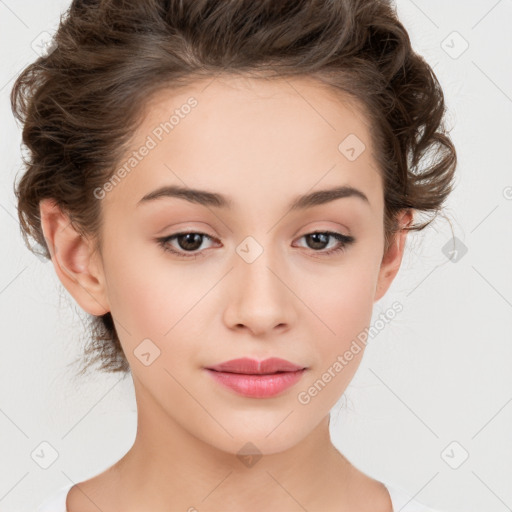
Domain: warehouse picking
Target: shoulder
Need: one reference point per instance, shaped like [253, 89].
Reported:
[56, 502]
[402, 501]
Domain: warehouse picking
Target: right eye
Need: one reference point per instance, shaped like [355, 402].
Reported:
[188, 242]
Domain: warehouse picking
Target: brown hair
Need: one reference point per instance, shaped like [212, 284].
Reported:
[81, 103]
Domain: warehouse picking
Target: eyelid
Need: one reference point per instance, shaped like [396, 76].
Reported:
[331, 226]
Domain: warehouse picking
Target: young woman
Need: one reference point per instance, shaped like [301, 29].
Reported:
[226, 188]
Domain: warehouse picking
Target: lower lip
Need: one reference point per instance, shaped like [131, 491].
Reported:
[257, 386]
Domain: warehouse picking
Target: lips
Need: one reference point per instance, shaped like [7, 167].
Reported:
[249, 366]
[257, 379]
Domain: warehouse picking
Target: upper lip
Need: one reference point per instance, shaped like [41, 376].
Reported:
[254, 367]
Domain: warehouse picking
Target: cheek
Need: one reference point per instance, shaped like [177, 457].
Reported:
[344, 311]
[152, 297]
[343, 302]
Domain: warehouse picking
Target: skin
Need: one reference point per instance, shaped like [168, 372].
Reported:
[261, 143]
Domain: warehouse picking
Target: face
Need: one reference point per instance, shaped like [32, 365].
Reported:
[195, 282]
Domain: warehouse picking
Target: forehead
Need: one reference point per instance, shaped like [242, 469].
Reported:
[251, 137]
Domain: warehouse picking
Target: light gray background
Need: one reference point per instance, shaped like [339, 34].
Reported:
[439, 373]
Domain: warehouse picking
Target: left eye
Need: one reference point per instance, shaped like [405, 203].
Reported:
[322, 237]
[192, 241]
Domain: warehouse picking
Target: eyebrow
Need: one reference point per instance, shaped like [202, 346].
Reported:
[217, 200]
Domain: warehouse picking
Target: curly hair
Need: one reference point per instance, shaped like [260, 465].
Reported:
[81, 103]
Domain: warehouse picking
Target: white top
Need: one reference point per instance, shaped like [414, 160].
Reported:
[399, 498]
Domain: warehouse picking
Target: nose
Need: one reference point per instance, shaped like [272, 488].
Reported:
[259, 298]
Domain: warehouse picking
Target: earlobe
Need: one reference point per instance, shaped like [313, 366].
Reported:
[392, 259]
[71, 257]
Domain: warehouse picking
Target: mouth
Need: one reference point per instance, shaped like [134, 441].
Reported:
[257, 379]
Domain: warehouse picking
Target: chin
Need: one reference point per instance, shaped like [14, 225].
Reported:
[260, 439]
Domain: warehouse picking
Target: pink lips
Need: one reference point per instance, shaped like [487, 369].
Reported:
[257, 379]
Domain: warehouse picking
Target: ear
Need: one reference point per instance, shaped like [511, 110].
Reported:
[78, 269]
[392, 259]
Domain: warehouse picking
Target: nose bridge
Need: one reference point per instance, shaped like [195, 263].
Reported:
[257, 281]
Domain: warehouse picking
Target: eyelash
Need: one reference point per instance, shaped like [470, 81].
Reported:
[344, 242]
